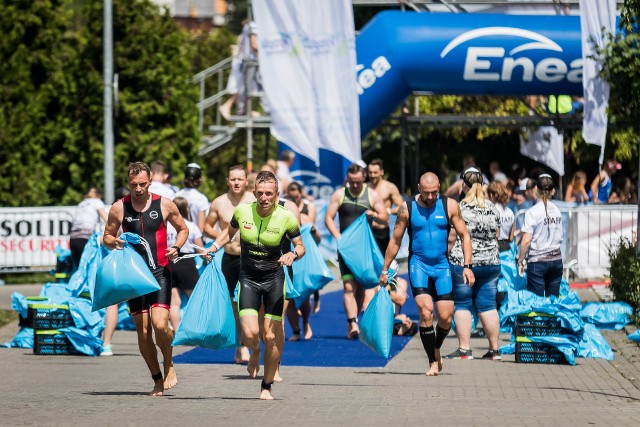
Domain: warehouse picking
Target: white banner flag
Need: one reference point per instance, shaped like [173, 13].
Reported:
[308, 66]
[594, 16]
[545, 145]
[287, 75]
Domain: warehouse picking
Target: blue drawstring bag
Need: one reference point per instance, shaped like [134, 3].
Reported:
[290, 291]
[360, 252]
[310, 273]
[123, 275]
[376, 326]
[208, 320]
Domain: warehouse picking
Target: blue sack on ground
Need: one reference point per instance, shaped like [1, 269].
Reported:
[607, 315]
[567, 309]
[83, 341]
[84, 276]
[23, 339]
[310, 273]
[509, 271]
[565, 344]
[122, 275]
[361, 253]
[376, 325]
[208, 320]
[20, 304]
[58, 293]
[593, 344]
[84, 317]
[635, 336]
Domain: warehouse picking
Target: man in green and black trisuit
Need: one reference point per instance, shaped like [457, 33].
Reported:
[349, 203]
[263, 224]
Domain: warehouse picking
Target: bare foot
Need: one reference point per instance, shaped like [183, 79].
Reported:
[316, 306]
[308, 333]
[254, 364]
[439, 359]
[277, 378]
[354, 331]
[294, 337]
[225, 111]
[265, 395]
[433, 370]
[158, 388]
[242, 356]
[171, 379]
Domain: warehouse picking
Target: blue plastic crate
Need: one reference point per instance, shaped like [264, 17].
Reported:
[536, 352]
[49, 316]
[51, 342]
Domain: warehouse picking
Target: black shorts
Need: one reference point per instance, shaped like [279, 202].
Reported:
[77, 247]
[159, 298]
[267, 289]
[231, 271]
[184, 274]
[382, 237]
[345, 273]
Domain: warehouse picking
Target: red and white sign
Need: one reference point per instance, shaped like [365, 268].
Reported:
[28, 236]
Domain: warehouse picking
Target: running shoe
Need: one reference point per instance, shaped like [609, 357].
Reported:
[107, 350]
[461, 354]
[492, 355]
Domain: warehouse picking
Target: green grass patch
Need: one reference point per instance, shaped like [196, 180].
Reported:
[7, 316]
[26, 278]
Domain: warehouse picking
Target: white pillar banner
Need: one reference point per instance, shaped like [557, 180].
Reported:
[287, 75]
[594, 16]
[308, 65]
[545, 145]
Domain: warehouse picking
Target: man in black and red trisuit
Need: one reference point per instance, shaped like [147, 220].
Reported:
[146, 214]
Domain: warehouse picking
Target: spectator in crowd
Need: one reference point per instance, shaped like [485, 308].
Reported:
[496, 173]
[455, 190]
[483, 223]
[621, 193]
[525, 198]
[198, 202]
[88, 215]
[601, 185]
[498, 195]
[159, 176]
[184, 274]
[541, 242]
[576, 191]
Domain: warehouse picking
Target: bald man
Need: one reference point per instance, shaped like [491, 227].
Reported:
[429, 216]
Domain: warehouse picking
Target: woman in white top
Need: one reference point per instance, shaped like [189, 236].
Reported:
[498, 195]
[184, 274]
[87, 218]
[541, 241]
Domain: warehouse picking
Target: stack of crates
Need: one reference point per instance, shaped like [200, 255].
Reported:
[538, 325]
[46, 320]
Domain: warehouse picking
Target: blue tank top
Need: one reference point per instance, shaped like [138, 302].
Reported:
[428, 233]
[604, 190]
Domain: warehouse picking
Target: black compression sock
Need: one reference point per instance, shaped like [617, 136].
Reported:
[441, 334]
[266, 386]
[428, 337]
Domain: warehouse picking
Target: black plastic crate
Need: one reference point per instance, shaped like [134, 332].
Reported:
[49, 316]
[23, 322]
[538, 325]
[535, 352]
[51, 342]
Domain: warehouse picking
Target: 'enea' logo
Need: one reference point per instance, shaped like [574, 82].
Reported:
[478, 63]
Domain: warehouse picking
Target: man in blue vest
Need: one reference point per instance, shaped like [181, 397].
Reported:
[429, 216]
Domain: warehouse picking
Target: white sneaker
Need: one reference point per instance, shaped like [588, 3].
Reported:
[107, 351]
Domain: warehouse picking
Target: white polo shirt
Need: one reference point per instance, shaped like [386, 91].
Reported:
[546, 231]
[198, 202]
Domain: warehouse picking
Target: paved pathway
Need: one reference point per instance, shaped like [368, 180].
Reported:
[65, 390]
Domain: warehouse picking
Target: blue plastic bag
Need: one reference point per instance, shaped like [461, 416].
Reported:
[208, 319]
[593, 344]
[83, 341]
[607, 315]
[635, 336]
[360, 252]
[376, 326]
[310, 273]
[567, 345]
[84, 317]
[509, 272]
[290, 291]
[84, 277]
[58, 293]
[20, 304]
[122, 275]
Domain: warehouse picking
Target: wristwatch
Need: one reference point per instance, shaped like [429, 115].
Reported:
[469, 266]
[177, 248]
[295, 254]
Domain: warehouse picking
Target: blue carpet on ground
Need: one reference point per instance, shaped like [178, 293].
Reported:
[329, 346]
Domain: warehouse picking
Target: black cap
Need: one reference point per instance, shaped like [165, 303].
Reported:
[193, 171]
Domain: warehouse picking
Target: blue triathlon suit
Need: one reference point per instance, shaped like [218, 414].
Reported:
[429, 271]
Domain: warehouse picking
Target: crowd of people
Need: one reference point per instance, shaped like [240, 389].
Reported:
[456, 238]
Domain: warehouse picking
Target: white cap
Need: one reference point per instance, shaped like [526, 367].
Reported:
[523, 185]
[194, 165]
